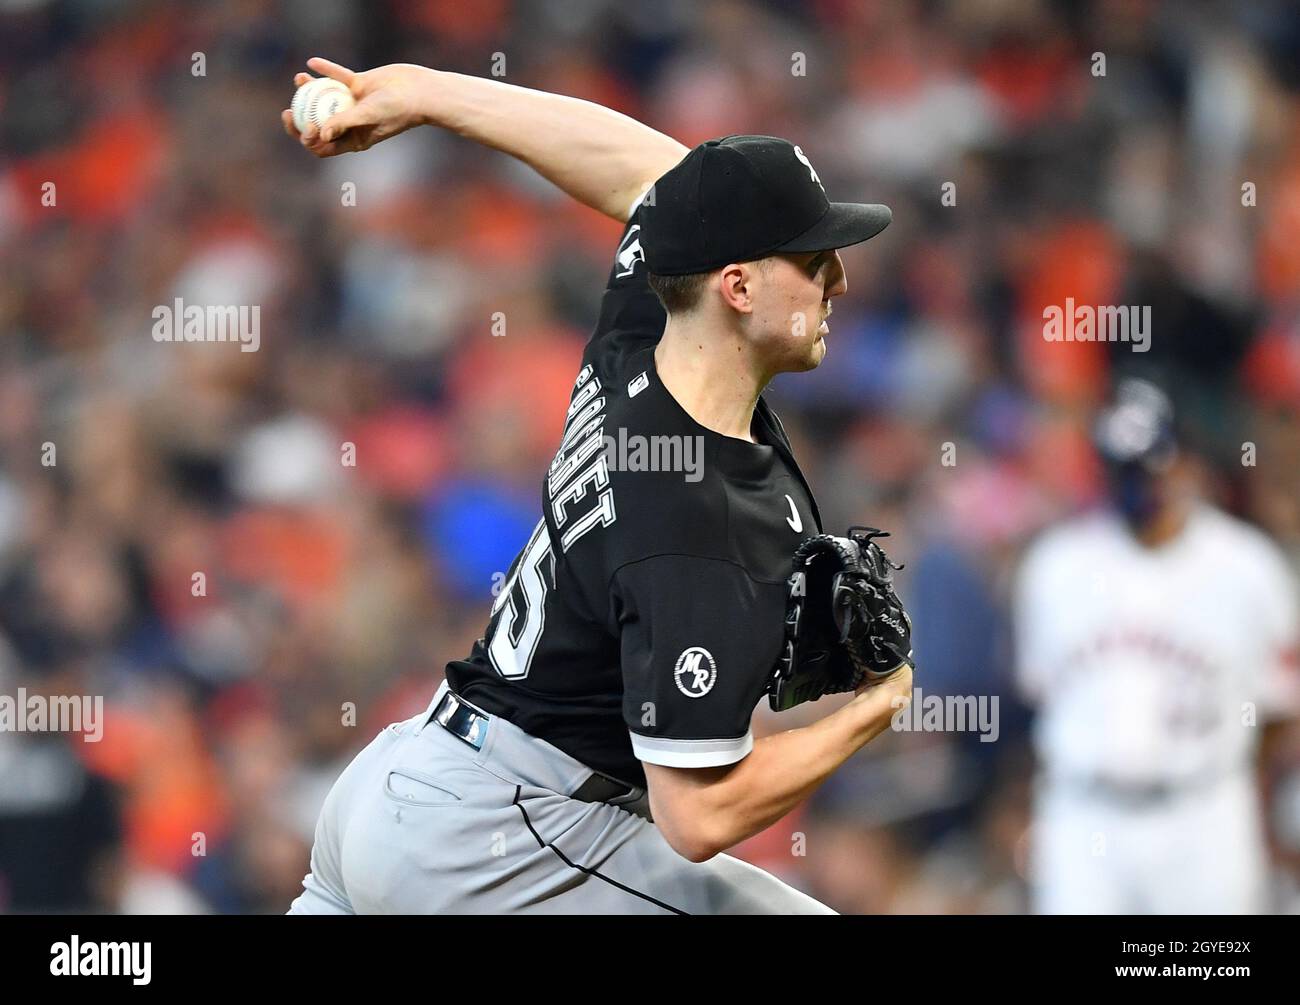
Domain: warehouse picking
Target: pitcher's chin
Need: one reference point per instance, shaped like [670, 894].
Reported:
[816, 353]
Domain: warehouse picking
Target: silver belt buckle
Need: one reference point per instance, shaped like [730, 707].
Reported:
[462, 720]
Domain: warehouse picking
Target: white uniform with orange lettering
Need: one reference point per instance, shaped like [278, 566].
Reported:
[1153, 670]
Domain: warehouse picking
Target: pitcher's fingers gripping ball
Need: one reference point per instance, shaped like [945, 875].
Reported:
[317, 101]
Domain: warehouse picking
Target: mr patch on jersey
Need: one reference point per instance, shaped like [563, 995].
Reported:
[695, 672]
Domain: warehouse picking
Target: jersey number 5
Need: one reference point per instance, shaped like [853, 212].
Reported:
[519, 611]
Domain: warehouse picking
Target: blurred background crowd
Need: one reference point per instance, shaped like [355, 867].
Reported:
[332, 593]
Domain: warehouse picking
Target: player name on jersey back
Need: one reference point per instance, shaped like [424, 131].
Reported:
[580, 471]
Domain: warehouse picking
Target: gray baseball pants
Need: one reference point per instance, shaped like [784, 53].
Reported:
[422, 823]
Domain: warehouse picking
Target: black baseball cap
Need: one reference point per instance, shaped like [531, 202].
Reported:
[739, 198]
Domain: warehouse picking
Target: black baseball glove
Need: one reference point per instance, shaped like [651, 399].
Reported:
[844, 624]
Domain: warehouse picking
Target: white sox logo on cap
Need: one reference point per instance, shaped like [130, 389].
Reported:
[803, 159]
[695, 672]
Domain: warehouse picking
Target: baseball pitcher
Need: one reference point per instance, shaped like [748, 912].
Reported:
[1158, 640]
[593, 753]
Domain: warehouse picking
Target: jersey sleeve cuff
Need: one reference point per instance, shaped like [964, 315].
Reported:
[691, 753]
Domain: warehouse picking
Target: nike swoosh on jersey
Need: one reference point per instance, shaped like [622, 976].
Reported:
[794, 520]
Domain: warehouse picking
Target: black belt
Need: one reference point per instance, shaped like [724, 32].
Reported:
[470, 725]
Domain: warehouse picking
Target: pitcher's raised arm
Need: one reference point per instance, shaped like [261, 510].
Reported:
[601, 157]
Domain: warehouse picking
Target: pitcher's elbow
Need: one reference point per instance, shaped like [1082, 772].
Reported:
[692, 839]
[694, 850]
[698, 851]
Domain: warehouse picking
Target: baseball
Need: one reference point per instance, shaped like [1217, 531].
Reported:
[317, 100]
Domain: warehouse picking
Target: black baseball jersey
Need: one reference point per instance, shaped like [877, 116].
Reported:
[643, 618]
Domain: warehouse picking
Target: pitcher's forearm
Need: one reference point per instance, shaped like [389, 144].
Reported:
[707, 810]
[599, 156]
[790, 766]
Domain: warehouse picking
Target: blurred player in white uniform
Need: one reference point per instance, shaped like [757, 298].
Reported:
[1157, 640]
